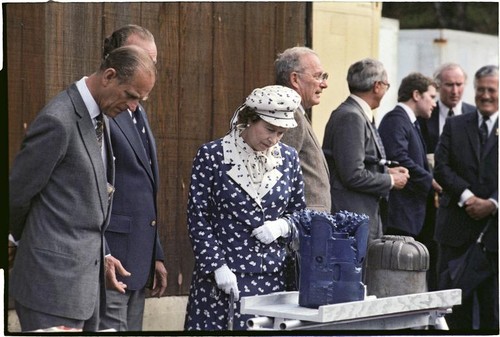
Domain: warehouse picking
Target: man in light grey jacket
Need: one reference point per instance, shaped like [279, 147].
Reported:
[61, 192]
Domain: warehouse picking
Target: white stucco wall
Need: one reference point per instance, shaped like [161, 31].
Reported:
[424, 50]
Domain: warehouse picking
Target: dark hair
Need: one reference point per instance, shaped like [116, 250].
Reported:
[118, 37]
[247, 115]
[412, 82]
[126, 61]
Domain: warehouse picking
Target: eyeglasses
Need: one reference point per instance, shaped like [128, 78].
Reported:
[320, 78]
[388, 85]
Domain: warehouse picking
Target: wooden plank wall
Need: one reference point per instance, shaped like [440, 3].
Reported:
[211, 55]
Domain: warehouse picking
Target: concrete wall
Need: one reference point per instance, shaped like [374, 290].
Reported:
[425, 49]
[343, 33]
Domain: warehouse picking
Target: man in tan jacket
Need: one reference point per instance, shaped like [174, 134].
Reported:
[299, 68]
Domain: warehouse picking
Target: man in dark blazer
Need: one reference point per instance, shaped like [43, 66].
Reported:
[132, 234]
[354, 151]
[299, 68]
[403, 142]
[61, 191]
[467, 168]
[450, 79]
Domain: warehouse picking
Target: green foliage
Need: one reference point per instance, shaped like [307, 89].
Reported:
[478, 17]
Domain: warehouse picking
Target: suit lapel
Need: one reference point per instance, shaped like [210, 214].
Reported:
[152, 144]
[473, 135]
[417, 134]
[492, 139]
[126, 125]
[433, 124]
[88, 138]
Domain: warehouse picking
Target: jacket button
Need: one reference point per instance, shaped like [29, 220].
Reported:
[153, 223]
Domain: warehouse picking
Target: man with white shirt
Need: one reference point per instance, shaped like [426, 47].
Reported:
[354, 151]
[450, 79]
[403, 142]
[299, 68]
[60, 194]
[467, 169]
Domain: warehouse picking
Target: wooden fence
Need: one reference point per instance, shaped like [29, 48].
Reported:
[210, 56]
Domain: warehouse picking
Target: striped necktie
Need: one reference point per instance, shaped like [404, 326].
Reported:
[99, 129]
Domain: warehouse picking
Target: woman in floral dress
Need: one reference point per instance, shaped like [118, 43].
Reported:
[243, 187]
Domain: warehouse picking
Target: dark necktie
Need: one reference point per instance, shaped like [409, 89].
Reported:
[483, 131]
[139, 123]
[378, 140]
[99, 129]
[451, 113]
[419, 131]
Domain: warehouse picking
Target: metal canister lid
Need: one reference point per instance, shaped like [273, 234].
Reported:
[396, 252]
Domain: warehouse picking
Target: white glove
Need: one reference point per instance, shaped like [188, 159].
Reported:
[271, 230]
[226, 280]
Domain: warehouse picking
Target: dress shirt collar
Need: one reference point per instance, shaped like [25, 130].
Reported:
[443, 109]
[301, 109]
[408, 111]
[366, 108]
[490, 122]
[89, 101]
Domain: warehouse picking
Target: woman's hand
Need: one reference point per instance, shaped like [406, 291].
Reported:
[271, 230]
[226, 280]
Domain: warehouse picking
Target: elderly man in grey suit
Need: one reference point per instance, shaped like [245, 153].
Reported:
[61, 191]
[299, 68]
[355, 154]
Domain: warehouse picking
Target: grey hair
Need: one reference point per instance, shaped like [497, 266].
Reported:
[119, 37]
[447, 66]
[485, 71]
[288, 62]
[363, 74]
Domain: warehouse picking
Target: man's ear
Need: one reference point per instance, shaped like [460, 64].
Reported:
[416, 95]
[108, 75]
[294, 80]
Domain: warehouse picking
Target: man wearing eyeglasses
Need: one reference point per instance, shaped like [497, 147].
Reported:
[355, 154]
[299, 68]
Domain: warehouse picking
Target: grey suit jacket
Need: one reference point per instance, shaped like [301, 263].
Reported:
[59, 209]
[312, 162]
[356, 186]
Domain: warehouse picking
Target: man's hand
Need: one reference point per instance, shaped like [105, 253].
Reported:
[437, 191]
[400, 176]
[111, 267]
[478, 208]
[436, 187]
[160, 279]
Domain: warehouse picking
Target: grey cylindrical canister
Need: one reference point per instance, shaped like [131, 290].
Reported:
[396, 265]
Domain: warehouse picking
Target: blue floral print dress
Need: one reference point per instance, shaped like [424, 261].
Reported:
[224, 206]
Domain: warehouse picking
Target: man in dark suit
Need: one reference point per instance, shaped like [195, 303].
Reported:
[299, 68]
[132, 234]
[467, 168]
[403, 142]
[61, 192]
[450, 79]
[354, 151]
